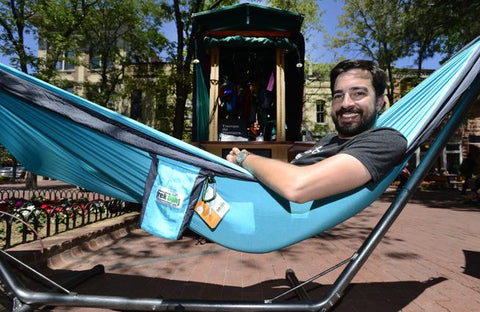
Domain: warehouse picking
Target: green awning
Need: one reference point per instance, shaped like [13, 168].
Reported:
[247, 16]
[250, 42]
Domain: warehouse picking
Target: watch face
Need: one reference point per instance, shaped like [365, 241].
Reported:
[241, 157]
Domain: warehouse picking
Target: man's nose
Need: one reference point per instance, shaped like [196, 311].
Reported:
[347, 101]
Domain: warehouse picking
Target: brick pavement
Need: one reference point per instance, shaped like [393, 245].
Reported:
[428, 261]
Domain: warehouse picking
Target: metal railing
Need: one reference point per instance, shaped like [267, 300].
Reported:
[50, 193]
[28, 215]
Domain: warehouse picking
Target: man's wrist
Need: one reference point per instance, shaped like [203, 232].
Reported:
[241, 157]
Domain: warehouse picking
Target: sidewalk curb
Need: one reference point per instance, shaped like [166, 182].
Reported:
[56, 250]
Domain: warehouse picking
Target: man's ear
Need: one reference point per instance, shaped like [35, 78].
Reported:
[380, 102]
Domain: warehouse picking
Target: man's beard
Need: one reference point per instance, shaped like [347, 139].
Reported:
[353, 129]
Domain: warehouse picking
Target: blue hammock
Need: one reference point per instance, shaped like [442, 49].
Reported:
[57, 134]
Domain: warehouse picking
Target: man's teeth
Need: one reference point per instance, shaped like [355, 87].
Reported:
[349, 115]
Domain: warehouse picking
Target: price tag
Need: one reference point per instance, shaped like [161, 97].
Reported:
[212, 212]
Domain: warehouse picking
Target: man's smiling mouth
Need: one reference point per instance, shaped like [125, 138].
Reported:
[348, 116]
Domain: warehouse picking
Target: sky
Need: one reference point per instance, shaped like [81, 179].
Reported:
[315, 50]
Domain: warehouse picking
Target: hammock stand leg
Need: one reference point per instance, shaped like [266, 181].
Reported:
[297, 286]
[71, 280]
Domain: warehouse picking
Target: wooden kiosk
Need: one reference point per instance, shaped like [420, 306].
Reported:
[249, 78]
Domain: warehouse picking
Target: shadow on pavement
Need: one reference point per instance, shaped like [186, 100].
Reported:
[472, 263]
[383, 296]
[372, 297]
[441, 198]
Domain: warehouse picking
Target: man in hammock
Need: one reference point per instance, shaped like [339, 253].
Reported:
[358, 154]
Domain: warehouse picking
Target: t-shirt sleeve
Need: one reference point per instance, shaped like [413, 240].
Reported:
[379, 150]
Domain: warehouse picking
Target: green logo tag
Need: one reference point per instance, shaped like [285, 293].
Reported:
[169, 197]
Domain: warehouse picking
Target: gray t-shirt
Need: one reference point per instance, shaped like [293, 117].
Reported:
[379, 150]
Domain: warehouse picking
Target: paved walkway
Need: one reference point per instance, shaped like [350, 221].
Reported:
[41, 183]
[428, 261]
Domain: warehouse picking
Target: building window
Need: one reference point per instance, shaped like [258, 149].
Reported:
[452, 157]
[136, 105]
[474, 138]
[320, 109]
[96, 60]
[66, 62]
[449, 160]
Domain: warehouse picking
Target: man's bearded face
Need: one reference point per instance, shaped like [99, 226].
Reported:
[355, 106]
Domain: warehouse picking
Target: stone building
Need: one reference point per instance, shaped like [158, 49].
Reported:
[317, 107]
[144, 100]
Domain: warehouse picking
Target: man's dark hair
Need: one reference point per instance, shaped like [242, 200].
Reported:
[379, 77]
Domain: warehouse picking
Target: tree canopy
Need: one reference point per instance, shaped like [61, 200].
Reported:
[15, 24]
[389, 30]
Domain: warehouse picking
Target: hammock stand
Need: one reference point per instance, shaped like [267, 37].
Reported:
[25, 299]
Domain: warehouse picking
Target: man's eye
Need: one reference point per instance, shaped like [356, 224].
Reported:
[358, 94]
[338, 96]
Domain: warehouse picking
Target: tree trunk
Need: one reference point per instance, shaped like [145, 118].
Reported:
[30, 180]
[390, 85]
[179, 118]
[183, 79]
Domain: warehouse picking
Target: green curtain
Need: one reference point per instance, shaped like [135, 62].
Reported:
[202, 104]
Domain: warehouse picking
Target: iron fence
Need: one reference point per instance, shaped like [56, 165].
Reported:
[51, 194]
[28, 215]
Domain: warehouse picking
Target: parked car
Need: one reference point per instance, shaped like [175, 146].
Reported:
[20, 172]
[8, 172]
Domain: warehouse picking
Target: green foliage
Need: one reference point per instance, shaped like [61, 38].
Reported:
[312, 13]
[423, 32]
[107, 37]
[310, 10]
[376, 30]
[386, 31]
[321, 129]
[159, 109]
[6, 159]
[321, 71]
[59, 24]
[459, 22]
[112, 33]
[15, 23]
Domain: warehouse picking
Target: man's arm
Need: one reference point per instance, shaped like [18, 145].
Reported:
[333, 175]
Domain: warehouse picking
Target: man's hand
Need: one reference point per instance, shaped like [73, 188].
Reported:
[237, 157]
[232, 156]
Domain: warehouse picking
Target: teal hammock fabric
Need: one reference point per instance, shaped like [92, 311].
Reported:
[57, 134]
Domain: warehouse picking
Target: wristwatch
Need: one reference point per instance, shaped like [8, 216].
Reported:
[241, 157]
